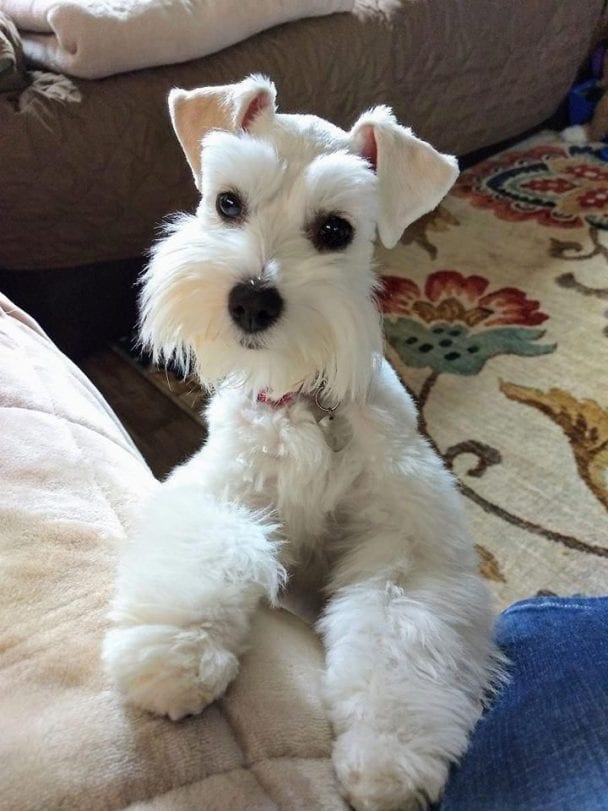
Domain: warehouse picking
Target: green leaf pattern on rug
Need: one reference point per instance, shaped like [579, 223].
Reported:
[446, 348]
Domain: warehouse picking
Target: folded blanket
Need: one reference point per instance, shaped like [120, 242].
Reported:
[96, 38]
[12, 69]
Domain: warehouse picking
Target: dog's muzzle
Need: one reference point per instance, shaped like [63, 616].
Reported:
[253, 306]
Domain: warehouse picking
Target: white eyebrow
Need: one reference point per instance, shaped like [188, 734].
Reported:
[242, 163]
[340, 182]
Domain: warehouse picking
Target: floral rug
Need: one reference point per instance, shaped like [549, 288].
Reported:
[496, 315]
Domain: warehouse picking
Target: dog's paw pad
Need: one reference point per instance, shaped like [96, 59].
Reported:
[380, 773]
[168, 670]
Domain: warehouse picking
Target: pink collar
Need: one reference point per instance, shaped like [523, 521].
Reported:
[285, 400]
[290, 398]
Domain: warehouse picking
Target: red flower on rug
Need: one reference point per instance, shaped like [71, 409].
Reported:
[449, 296]
[455, 324]
[564, 186]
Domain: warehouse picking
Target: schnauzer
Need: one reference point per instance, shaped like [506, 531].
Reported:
[314, 461]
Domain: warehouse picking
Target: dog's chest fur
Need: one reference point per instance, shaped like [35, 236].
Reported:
[297, 463]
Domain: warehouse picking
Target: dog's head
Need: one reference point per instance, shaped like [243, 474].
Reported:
[271, 282]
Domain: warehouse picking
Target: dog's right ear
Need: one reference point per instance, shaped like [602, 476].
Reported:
[226, 107]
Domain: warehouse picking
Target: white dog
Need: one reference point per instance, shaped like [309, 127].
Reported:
[313, 460]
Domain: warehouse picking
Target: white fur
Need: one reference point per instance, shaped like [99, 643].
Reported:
[413, 177]
[576, 134]
[363, 501]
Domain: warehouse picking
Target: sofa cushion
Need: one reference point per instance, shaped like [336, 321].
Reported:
[70, 484]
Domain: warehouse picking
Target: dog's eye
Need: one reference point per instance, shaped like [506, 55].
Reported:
[332, 233]
[230, 206]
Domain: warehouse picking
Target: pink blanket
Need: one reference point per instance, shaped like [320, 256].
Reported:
[96, 38]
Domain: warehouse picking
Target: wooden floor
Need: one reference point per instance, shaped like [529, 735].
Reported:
[164, 433]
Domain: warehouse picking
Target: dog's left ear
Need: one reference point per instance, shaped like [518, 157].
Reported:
[413, 177]
[225, 107]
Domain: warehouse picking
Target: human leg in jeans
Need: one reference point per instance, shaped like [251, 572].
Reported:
[543, 746]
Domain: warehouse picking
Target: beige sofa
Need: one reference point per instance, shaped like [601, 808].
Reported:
[70, 483]
[88, 169]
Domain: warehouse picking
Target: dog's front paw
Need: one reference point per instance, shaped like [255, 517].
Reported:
[380, 772]
[168, 670]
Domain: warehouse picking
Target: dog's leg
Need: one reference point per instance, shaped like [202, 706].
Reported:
[187, 587]
[409, 657]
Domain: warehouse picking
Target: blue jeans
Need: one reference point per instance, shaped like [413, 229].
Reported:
[543, 746]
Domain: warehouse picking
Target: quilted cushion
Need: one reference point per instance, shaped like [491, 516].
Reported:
[70, 483]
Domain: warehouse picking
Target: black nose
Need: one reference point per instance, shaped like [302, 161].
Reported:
[254, 307]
